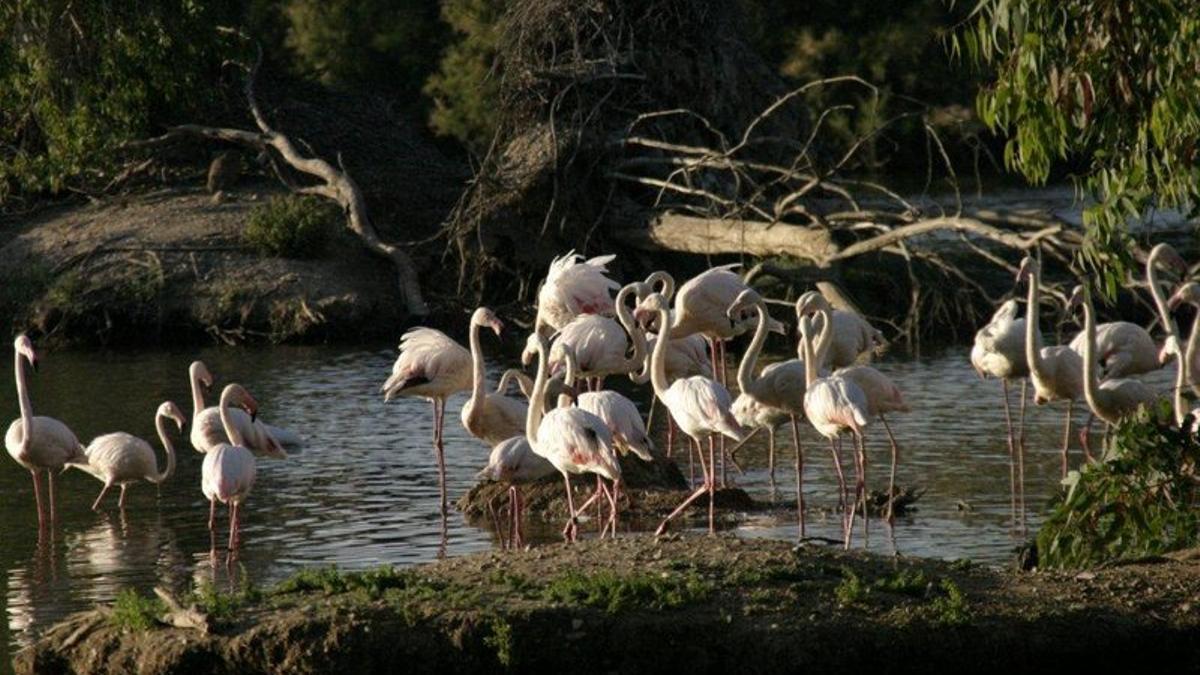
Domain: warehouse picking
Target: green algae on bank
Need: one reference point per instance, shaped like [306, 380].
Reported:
[640, 604]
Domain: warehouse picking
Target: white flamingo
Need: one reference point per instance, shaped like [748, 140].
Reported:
[228, 472]
[1188, 293]
[208, 431]
[618, 413]
[490, 417]
[780, 387]
[434, 367]
[1113, 399]
[600, 343]
[513, 461]
[686, 356]
[1057, 371]
[835, 405]
[574, 286]
[123, 459]
[572, 439]
[38, 443]
[699, 405]
[852, 337]
[999, 352]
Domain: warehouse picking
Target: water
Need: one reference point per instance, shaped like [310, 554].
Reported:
[363, 490]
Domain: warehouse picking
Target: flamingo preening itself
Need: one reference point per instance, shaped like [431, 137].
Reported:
[490, 417]
[600, 344]
[853, 337]
[208, 431]
[38, 443]
[431, 366]
[123, 459]
[229, 470]
[573, 287]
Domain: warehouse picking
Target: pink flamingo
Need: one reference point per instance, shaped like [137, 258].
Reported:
[780, 387]
[490, 417]
[38, 443]
[513, 461]
[1188, 293]
[1057, 371]
[208, 431]
[431, 366]
[123, 459]
[835, 405]
[572, 439]
[228, 472]
[999, 352]
[699, 405]
[600, 344]
[574, 286]
[853, 336]
[617, 412]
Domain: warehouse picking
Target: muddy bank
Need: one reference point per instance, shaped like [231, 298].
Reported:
[637, 604]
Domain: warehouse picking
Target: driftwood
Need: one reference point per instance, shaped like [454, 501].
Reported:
[179, 616]
[335, 183]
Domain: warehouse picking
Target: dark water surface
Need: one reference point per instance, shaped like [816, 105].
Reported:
[363, 490]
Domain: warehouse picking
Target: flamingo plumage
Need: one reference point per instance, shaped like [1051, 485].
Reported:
[229, 470]
[208, 431]
[853, 337]
[574, 286]
[490, 417]
[617, 412]
[124, 459]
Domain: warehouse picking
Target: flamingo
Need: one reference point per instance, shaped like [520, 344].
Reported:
[38, 443]
[1187, 293]
[780, 387]
[572, 439]
[574, 286]
[835, 405]
[554, 386]
[491, 418]
[1114, 399]
[228, 472]
[432, 366]
[853, 336]
[1167, 254]
[1057, 371]
[123, 459]
[999, 352]
[617, 412]
[686, 356]
[600, 344]
[699, 405]
[513, 461]
[208, 431]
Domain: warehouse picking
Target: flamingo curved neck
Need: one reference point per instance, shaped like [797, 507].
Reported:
[1091, 379]
[26, 406]
[1189, 353]
[537, 398]
[197, 394]
[745, 372]
[1033, 354]
[564, 399]
[658, 360]
[160, 425]
[474, 405]
[810, 361]
[231, 430]
[1160, 301]
[636, 336]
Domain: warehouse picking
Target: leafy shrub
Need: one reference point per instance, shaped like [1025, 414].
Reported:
[951, 609]
[614, 593]
[1140, 500]
[291, 226]
[134, 611]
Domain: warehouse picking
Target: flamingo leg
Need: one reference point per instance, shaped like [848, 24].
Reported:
[841, 475]
[37, 496]
[570, 530]
[212, 515]
[439, 406]
[670, 434]
[861, 490]
[799, 471]
[518, 541]
[50, 478]
[699, 492]
[1021, 454]
[495, 518]
[711, 483]
[1012, 455]
[692, 450]
[121, 500]
[891, 517]
[233, 513]
[1067, 437]
[96, 504]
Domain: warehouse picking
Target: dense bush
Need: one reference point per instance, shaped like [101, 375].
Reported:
[1140, 500]
[464, 88]
[291, 226]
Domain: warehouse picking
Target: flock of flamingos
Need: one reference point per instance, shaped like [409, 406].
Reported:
[583, 333]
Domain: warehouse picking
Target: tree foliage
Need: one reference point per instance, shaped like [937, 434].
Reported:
[1112, 82]
[462, 89]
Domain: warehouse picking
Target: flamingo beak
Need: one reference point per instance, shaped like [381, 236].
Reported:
[34, 362]
[497, 327]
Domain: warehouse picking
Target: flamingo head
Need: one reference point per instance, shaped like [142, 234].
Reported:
[1078, 297]
[235, 395]
[533, 344]
[1187, 293]
[486, 317]
[1170, 350]
[172, 412]
[24, 346]
[199, 373]
[1170, 257]
[1027, 269]
[812, 302]
[650, 307]
[745, 301]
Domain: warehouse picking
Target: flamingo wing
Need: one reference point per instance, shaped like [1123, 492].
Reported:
[577, 441]
[429, 357]
[622, 418]
[573, 287]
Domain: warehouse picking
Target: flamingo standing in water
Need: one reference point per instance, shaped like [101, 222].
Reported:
[852, 336]
[228, 472]
[686, 356]
[699, 405]
[1115, 398]
[1057, 371]
[572, 439]
[490, 417]
[431, 366]
[780, 387]
[513, 461]
[208, 431]
[600, 344]
[835, 405]
[619, 414]
[574, 286]
[38, 443]
[123, 459]
[999, 352]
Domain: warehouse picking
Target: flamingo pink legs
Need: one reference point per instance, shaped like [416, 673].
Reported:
[799, 471]
[37, 495]
[709, 471]
[439, 412]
